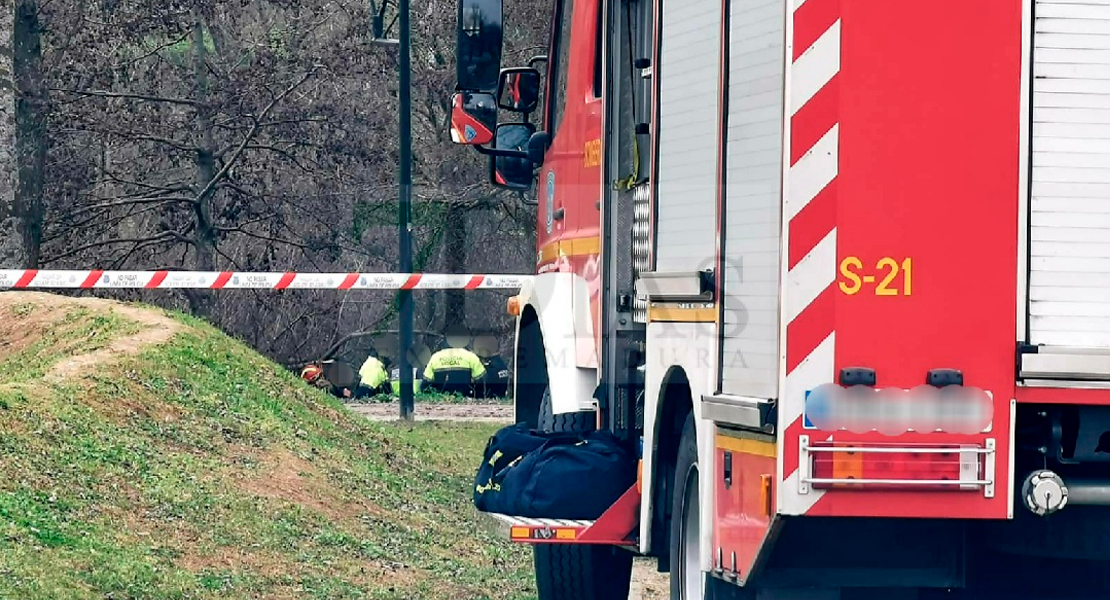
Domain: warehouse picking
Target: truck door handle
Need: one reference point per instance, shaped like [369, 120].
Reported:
[559, 214]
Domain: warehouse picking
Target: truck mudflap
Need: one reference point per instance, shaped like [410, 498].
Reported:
[615, 527]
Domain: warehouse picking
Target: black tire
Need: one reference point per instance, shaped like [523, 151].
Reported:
[578, 571]
[582, 572]
[685, 473]
[687, 469]
[576, 421]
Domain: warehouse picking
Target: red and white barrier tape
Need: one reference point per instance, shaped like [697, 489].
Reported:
[217, 280]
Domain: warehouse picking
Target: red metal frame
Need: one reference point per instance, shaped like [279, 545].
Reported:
[615, 527]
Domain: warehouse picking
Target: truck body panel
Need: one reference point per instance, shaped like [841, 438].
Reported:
[679, 356]
[903, 257]
[750, 233]
[569, 189]
[688, 79]
[869, 257]
[551, 296]
[743, 498]
[1069, 222]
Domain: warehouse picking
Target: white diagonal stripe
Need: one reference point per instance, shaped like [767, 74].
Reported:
[814, 370]
[815, 67]
[813, 171]
[815, 272]
[796, 4]
[794, 503]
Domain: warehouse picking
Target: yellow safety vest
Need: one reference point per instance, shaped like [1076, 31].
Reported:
[455, 358]
[372, 373]
[395, 381]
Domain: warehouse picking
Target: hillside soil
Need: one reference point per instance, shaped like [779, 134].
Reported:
[147, 455]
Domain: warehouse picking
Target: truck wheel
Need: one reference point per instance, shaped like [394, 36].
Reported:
[687, 581]
[576, 421]
[578, 571]
[582, 572]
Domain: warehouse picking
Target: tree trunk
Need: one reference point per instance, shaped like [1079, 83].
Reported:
[456, 250]
[12, 253]
[202, 302]
[30, 123]
[22, 134]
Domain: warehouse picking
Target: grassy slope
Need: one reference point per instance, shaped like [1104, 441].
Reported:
[197, 469]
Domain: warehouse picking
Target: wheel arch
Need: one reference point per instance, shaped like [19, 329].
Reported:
[530, 370]
[675, 402]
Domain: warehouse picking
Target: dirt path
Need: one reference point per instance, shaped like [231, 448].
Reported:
[482, 413]
[154, 328]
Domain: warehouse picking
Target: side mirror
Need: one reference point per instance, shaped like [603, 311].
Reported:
[478, 46]
[518, 89]
[510, 167]
[537, 146]
[473, 118]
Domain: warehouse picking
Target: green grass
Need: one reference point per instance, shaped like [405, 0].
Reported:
[76, 331]
[200, 470]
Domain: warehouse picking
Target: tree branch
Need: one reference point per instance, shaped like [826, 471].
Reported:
[283, 153]
[82, 208]
[250, 136]
[128, 96]
[163, 236]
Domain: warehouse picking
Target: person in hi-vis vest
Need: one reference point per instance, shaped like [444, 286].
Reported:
[395, 380]
[417, 355]
[496, 381]
[373, 377]
[454, 369]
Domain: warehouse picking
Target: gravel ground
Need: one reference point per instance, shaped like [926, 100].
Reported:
[487, 413]
[647, 583]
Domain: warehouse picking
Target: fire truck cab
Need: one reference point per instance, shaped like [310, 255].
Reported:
[840, 268]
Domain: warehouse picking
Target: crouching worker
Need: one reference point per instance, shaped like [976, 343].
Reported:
[313, 374]
[495, 383]
[373, 378]
[395, 380]
[454, 370]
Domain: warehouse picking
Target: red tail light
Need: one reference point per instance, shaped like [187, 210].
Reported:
[874, 466]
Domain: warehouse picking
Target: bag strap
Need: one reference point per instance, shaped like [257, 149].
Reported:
[500, 475]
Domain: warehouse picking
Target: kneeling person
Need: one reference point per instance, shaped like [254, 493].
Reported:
[454, 370]
[373, 378]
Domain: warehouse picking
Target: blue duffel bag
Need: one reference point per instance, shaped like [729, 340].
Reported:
[576, 476]
[508, 444]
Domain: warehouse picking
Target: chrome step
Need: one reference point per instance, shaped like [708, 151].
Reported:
[527, 529]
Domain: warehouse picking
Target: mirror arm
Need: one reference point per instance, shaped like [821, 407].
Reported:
[503, 153]
[524, 199]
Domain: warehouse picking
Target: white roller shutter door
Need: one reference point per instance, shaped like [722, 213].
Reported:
[1069, 278]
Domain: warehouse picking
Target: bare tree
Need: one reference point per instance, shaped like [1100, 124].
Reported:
[22, 134]
[262, 135]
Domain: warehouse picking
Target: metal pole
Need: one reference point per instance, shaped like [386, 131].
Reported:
[404, 210]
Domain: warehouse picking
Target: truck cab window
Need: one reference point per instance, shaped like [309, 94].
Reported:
[598, 49]
[560, 67]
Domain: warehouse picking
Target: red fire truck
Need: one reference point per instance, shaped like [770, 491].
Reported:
[841, 268]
